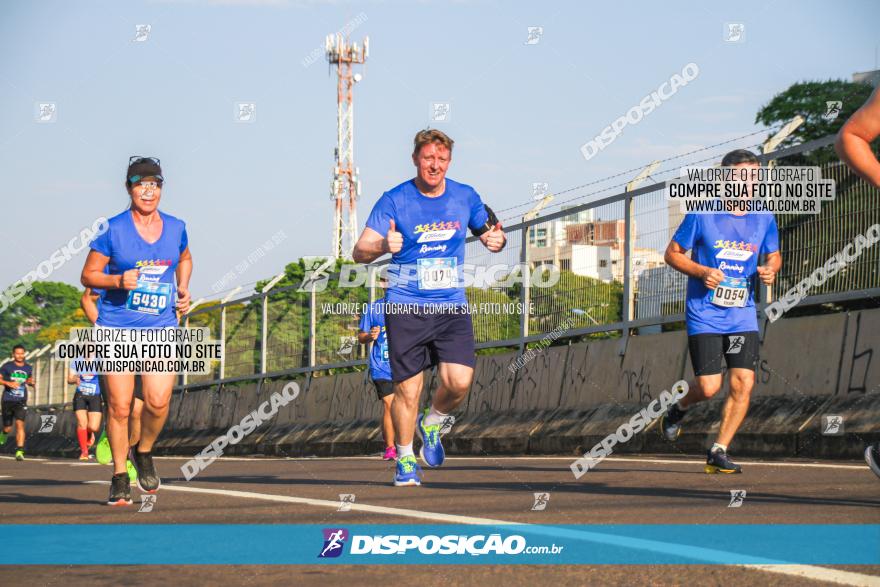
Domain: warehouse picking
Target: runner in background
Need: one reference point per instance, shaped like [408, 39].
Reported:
[854, 147]
[720, 309]
[103, 454]
[15, 376]
[372, 330]
[87, 405]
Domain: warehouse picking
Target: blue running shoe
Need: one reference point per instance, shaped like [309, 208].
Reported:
[432, 450]
[408, 471]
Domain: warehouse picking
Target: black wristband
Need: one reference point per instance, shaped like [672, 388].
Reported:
[490, 223]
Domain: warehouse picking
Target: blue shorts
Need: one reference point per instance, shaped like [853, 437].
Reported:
[418, 340]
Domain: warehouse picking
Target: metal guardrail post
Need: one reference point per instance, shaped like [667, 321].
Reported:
[51, 379]
[185, 375]
[525, 294]
[223, 338]
[264, 334]
[37, 380]
[65, 387]
[628, 290]
[312, 343]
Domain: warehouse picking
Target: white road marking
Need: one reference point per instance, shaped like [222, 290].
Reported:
[25, 458]
[743, 463]
[659, 461]
[707, 554]
[5, 476]
[819, 574]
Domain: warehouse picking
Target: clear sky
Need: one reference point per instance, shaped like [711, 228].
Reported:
[519, 112]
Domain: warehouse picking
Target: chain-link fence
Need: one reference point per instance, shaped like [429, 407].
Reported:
[593, 269]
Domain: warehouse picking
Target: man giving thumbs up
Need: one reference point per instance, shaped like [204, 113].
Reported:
[426, 316]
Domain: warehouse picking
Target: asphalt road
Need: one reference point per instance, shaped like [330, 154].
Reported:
[638, 490]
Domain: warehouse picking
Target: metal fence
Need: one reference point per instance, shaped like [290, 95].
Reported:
[613, 280]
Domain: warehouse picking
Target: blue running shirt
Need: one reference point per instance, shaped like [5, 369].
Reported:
[732, 244]
[380, 368]
[88, 383]
[428, 269]
[152, 304]
[18, 374]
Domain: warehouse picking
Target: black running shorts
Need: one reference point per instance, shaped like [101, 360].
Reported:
[418, 340]
[13, 411]
[739, 349]
[384, 387]
[90, 403]
[138, 386]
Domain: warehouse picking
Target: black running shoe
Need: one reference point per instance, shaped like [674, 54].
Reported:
[872, 457]
[120, 490]
[670, 423]
[719, 462]
[147, 479]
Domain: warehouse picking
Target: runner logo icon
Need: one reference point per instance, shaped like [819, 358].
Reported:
[737, 497]
[334, 540]
[832, 425]
[47, 423]
[735, 344]
[541, 500]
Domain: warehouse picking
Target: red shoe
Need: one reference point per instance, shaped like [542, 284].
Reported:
[390, 454]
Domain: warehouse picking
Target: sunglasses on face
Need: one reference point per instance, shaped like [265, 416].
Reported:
[138, 158]
[148, 185]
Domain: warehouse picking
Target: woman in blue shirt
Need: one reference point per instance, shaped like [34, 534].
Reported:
[143, 251]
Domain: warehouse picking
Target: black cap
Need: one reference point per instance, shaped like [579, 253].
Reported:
[144, 167]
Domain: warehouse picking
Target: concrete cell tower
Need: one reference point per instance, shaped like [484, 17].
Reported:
[346, 186]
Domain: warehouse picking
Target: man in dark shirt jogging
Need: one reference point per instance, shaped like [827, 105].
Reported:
[15, 376]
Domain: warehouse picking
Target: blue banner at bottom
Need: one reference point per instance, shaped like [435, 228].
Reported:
[290, 544]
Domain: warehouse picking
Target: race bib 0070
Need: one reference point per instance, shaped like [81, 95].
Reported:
[438, 273]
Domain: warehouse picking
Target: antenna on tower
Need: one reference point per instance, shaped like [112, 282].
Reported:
[345, 187]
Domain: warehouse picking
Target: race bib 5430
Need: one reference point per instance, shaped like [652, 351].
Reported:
[149, 298]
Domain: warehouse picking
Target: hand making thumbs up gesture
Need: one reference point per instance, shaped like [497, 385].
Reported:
[393, 240]
[494, 239]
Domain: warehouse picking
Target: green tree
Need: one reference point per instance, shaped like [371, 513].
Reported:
[48, 303]
[809, 99]
[575, 301]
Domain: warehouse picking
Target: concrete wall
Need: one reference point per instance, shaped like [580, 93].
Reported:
[563, 401]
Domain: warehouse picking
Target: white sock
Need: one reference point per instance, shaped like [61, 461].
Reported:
[434, 417]
[717, 447]
[404, 450]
